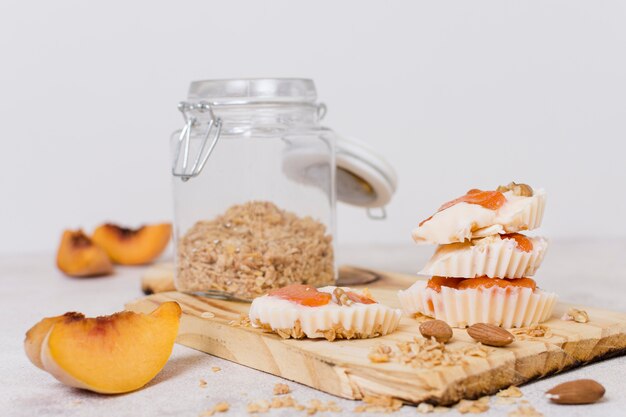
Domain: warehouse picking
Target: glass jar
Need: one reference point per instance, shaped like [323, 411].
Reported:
[254, 188]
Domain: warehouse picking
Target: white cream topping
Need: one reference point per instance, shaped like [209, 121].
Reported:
[362, 318]
[506, 307]
[491, 256]
[465, 221]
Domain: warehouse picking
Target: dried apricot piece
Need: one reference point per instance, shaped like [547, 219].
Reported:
[305, 295]
[485, 282]
[491, 200]
[522, 242]
[436, 283]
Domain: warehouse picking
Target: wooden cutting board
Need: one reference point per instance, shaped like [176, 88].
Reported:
[342, 367]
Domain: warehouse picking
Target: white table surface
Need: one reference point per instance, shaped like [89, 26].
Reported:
[589, 272]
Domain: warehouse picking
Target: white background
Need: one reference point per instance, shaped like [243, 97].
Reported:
[455, 94]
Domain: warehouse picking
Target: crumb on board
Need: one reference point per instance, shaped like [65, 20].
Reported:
[202, 383]
[426, 353]
[574, 314]
[534, 331]
[216, 368]
[242, 321]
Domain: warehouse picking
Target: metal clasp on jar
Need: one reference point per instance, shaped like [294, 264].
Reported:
[186, 170]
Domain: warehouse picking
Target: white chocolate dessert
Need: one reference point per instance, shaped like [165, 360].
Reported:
[463, 305]
[299, 311]
[509, 209]
[498, 256]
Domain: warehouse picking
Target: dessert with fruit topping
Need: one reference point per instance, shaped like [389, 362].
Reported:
[480, 270]
[508, 209]
[510, 256]
[298, 311]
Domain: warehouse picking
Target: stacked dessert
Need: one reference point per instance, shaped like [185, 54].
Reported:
[479, 272]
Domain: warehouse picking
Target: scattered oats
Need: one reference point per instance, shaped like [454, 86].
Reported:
[478, 350]
[280, 389]
[207, 315]
[221, 407]
[511, 391]
[525, 410]
[579, 316]
[261, 406]
[216, 368]
[427, 353]
[425, 408]
[264, 247]
[242, 321]
[202, 383]
[316, 405]
[380, 354]
[283, 402]
[379, 404]
[506, 401]
[475, 407]
[533, 331]
[287, 401]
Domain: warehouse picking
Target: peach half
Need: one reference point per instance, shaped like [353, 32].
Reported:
[78, 256]
[133, 246]
[110, 354]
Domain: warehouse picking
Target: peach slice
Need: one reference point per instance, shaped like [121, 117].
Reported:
[133, 246]
[110, 354]
[36, 335]
[78, 256]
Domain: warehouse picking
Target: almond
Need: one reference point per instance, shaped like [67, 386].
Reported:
[580, 391]
[491, 335]
[523, 190]
[436, 328]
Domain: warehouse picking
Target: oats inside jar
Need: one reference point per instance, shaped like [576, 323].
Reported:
[253, 248]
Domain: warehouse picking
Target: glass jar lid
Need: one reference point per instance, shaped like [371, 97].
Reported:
[233, 91]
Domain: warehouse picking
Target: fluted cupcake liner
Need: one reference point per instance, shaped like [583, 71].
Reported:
[506, 307]
[492, 256]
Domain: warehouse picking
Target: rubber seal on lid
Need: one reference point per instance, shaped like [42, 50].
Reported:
[363, 178]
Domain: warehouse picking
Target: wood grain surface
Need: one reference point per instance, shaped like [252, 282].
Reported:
[342, 367]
